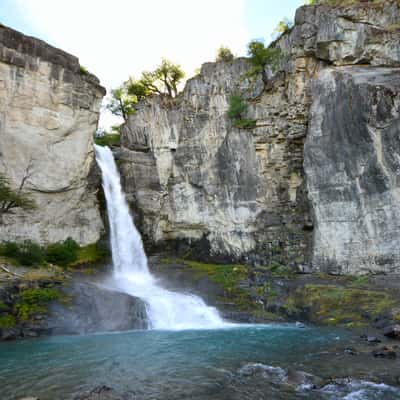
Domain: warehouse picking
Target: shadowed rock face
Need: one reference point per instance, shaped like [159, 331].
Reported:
[96, 309]
[49, 112]
[352, 162]
[194, 179]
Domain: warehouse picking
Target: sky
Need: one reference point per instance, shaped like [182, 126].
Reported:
[115, 39]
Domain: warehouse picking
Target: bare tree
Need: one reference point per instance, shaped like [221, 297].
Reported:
[12, 199]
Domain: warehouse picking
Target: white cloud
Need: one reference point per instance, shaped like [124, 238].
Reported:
[118, 38]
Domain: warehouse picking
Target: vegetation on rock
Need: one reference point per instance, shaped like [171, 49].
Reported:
[34, 301]
[335, 304]
[224, 54]
[7, 321]
[164, 80]
[12, 199]
[237, 111]
[261, 56]
[65, 253]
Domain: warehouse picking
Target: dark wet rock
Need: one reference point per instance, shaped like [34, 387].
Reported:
[9, 334]
[392, 331]
[95, 308]
[350, 351]
[385, 352]
[372, 339]
[382, 321]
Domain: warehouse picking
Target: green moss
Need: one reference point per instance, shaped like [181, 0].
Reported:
[91, 254]
[34, 301]
[330, 304]
[108, 140]
[360, 281]
[290, 306]
[7, 321]
[228, 276]
[3, 306]
[267, 290]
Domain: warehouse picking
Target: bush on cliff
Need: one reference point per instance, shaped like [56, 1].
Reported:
[12, 199]
[224, 54]
[260, 56]
[26, 253]
[237, 111]
[29, 253]
[62, 253]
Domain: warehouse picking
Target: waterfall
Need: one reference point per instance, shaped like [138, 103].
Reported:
[166, 309]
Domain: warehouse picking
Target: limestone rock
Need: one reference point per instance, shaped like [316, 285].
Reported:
[258, 195]
[192, 176]
[351, 160]
[49, 112]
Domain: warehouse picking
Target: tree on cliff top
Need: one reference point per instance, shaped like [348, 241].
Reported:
[164, 80]
[11, 199]
[224, 54]
[121, 102]
[260, 56]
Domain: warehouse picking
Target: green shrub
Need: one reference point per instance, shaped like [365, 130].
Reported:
[224, 54]
[260, 56]
[62, 253]
[237, 107]
[9, 249]
[29, 254]
[236, 112]
[83, 70]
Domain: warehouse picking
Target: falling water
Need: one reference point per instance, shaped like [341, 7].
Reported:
[166, 309]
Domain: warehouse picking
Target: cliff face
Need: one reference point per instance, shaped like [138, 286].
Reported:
[314, 183]
[49, 112]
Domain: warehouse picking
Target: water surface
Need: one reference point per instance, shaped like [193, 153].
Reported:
[238, 363]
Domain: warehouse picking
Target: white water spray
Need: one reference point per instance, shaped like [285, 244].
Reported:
[165, 309]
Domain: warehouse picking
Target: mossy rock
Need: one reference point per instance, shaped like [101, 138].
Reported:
[338, 305]
[34, 301]
[7, 321]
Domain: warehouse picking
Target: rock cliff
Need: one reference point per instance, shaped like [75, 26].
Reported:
[49, 109]
[314, 184]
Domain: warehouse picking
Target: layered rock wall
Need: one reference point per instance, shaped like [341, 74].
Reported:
[259, 195]
[49, 111]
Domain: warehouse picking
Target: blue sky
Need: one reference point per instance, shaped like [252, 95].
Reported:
[118, 38]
